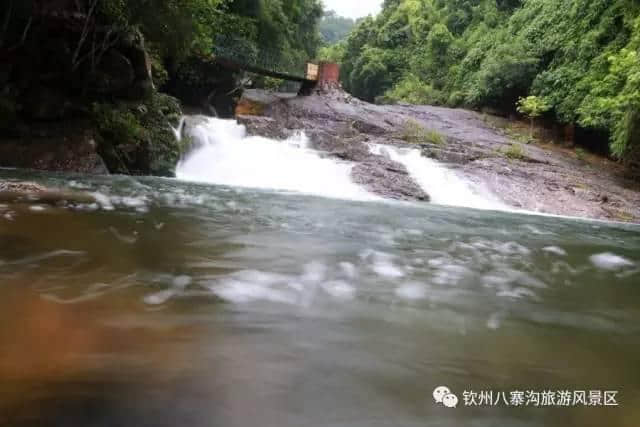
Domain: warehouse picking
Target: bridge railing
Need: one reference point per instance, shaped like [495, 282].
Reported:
[242, 51]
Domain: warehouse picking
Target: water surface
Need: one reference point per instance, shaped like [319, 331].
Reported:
[171, 304]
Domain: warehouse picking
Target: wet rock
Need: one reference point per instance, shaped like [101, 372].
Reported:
[29, 192]
[70, 147]
[114, 74]
[388, 179]
[264, 126]
[45, 103]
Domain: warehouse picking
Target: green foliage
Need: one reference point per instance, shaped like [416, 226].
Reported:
[130, 132]
[514, 152]
[272, 84]
[333, 53]
[178, 28]
[335, 28]
[532, 106]
[414, 133]
[413, 90]
[580, 56]
[118, 125]
[285, 31]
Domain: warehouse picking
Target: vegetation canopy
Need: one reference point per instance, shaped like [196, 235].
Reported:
[579, 56]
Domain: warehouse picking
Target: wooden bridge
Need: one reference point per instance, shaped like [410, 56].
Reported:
[324, 75]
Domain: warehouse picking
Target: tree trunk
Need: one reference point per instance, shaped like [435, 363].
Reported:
[531, 129]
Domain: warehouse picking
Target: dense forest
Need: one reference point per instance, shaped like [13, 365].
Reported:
[335, 28]
[579, 56]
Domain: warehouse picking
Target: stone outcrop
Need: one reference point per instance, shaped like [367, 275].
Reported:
[91, 113]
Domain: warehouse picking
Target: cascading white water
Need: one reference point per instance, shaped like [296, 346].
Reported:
[442, 184]
[225, 155]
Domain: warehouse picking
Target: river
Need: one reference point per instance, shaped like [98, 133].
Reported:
[305, 301]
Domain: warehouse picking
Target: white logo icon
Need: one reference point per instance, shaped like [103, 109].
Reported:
[443, 395]
[440, 392]
[450, 400]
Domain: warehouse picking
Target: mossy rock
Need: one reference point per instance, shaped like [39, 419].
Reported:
[137, 138]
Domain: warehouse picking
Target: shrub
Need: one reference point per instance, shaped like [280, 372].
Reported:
[515, 152]
[119, 125]
[414, 91]
[414, 133]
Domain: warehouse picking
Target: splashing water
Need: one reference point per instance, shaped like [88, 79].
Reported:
[225, 155]
[443, 185]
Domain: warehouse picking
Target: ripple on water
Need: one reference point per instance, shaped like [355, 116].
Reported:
[383, 265]
[178, 284]
[555, 250]
[411, 291]
[611, 262]
[339, 289]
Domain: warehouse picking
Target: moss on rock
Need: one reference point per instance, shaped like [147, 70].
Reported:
[137, 137]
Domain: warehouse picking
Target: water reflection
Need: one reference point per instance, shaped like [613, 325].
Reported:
[169, 304]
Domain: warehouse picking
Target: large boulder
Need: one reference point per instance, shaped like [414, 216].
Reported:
[113, 75]
[45, 103]
[137, 138]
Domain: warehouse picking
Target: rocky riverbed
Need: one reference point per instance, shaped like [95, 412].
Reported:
[546, 179]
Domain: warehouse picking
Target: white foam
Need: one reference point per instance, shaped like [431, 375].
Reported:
[383, 266]
[609, 261]
[411, 291]
[349, 269]
[339, 289]
[443, 185]
[225, 155]
[555, 250]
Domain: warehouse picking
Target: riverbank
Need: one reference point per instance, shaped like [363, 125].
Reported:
[540, 178]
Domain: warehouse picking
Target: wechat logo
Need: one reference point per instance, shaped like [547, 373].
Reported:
[444, 396]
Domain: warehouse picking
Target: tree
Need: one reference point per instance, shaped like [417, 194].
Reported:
[335, 28]
[532, 107]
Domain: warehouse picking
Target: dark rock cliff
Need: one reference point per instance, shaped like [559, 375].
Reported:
[83, 106]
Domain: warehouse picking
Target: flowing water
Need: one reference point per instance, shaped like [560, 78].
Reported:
[175, 303]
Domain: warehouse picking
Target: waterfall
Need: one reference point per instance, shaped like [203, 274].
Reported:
[177, 131]
[223, 154]
[443, 185]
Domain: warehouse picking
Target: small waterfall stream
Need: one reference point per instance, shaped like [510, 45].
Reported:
[444, 186]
